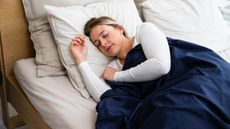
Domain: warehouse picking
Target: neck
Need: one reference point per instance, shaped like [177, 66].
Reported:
[126, 47]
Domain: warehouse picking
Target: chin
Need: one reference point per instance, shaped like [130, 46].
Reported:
[113, 53]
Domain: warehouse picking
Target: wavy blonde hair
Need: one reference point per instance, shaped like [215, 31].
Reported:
[103, 20]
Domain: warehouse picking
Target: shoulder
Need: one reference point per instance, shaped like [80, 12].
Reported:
[144, 29]
[145, 26]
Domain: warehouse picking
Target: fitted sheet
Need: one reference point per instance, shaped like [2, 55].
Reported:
[59, 104]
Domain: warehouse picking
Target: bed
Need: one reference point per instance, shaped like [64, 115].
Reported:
[46, 100]
[10, 90]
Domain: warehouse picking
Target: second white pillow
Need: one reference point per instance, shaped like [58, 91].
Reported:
[197, 21]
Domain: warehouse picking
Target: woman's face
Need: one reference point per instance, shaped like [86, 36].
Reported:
[107, 39]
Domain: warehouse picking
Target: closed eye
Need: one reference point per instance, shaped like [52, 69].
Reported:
[97, 43]
[105, 34]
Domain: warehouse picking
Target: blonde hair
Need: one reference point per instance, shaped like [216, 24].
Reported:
[103, 20]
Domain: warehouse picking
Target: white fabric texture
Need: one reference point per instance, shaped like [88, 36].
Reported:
[156, 50]
[47, 58]
[67, 22]
[223, 3]
[94, 84]
[225, 54]
[200, 22]
[59, 104]
[225, 8]
[116, 64]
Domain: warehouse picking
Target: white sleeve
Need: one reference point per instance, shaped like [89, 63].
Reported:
[156, 50]
[94, 84]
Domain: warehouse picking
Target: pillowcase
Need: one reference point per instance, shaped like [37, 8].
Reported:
[200, 22]
[67, 22]
[47, 58]
[225, 8]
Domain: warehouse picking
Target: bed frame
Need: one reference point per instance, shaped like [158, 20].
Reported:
[15, 44]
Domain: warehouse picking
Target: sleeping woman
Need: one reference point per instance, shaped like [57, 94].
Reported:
[154, 82]
[112, 40]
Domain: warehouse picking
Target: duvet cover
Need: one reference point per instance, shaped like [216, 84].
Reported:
[195, 94]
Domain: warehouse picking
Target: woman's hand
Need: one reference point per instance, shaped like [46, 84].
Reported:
[109, 73]
[78, 48]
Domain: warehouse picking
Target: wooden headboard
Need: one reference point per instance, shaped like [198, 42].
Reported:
[15, 37]
[15, 44]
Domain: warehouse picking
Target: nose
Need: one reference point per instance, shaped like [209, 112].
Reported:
[104, 43]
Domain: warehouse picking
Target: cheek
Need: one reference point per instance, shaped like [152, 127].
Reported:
[116, 38]
[112, 52]
[104, 52]
[115, 49]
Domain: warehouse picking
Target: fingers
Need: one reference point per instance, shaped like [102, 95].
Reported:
[81, 37]
[79, 40]
[109, 68]
[108, 73]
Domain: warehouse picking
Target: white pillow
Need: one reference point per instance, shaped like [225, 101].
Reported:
[197, 21]
[67, 22]
[225, 8]
[47, 59]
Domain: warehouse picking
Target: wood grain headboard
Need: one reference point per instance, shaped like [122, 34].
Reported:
[15, 37]
[15, 44]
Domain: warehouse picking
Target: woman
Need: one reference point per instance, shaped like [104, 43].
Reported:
[112, 40]
[194, 88]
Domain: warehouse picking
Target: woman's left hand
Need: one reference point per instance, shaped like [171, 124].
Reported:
[109, 73]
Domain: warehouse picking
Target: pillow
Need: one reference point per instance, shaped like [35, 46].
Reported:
[197, 21]
[225, 8]
[67, 22]
[47, 58]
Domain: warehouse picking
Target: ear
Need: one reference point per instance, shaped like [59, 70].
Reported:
[120, 28]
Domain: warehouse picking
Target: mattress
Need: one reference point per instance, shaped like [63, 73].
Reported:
[59, 104]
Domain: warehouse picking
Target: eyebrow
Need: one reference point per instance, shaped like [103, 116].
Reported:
[99, 35]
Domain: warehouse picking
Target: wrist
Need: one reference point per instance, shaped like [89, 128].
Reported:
[83, 64]
[78, 61]
[115, 76]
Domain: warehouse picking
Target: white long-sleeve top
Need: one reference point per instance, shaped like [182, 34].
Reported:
[158, 63]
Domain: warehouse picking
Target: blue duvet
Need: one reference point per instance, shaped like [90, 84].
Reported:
[195, 94]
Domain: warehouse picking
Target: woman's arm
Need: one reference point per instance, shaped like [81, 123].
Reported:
[156, 50]
[94, 84]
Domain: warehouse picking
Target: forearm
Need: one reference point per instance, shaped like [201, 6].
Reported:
[156, 50]
[94, 84]
[146, 71]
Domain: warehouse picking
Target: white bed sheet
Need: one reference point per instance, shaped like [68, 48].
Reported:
[59, 104]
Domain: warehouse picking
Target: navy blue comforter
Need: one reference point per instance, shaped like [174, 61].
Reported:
[195, 94]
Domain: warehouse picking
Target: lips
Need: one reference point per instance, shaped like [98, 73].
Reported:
[108, 48]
